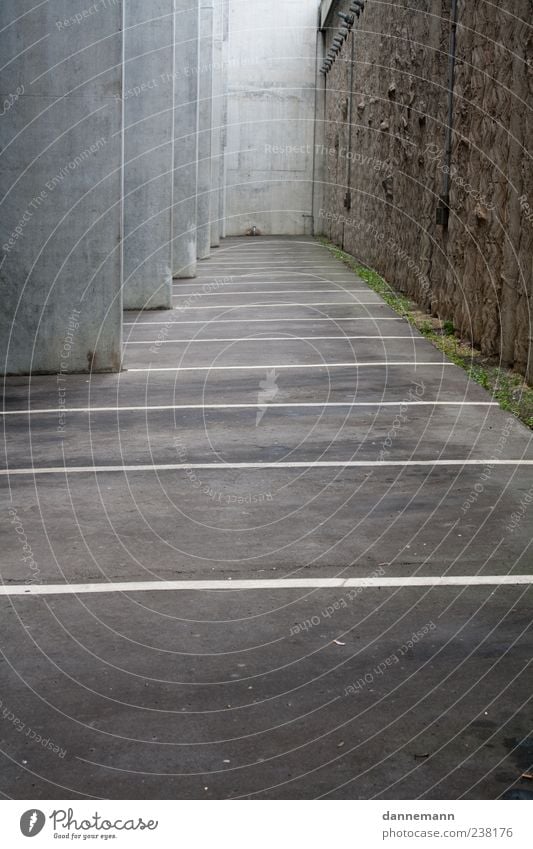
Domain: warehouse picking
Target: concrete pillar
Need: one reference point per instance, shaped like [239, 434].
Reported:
[185, 136]
[217, 122]
[61, 186]
[205, 123]
[148, 154]
[226, 58]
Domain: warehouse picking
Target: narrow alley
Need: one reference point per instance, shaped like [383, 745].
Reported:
[267, 404]
[274, 556]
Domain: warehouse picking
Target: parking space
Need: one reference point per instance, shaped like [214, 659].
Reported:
[357, 513]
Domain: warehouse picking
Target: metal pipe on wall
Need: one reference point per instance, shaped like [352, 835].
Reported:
[320, 50]
[348, 196]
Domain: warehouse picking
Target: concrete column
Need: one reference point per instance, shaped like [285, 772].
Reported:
[217, 122]
[148, 154]
[205, 123]
[61, 186]
[226, 58]
[185, 136]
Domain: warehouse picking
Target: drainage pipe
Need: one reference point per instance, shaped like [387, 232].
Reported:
[319, 51]
[348, 198]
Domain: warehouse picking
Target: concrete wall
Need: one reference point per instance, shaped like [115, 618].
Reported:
[478, 271]
[60, 186]
[148, 153]
[271, 81]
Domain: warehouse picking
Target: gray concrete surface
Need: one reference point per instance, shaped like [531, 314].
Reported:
[163, 698]
[405, 692]
[219, 119]
[148, 154]
[61, 188]
[185, 137]
[205, 128]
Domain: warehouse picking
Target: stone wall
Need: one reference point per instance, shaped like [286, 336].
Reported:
[383, 178]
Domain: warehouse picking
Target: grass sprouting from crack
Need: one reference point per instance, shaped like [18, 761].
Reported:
[505, 386]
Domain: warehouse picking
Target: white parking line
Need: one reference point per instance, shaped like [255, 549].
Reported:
[290, 304]
[234, 585]
[205, 294]
[320, 464]
[276, 367]
[274, 266]
[287, 405]
[171, 321]
[272, 339]
[239, 282]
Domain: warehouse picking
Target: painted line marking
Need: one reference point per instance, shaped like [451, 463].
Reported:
[274, 266]
[278, 292]
[270, 339]
[181, 282]
[171, 321]
[248, 269]
[342, 283]
[320, 464]
[287, 405]
[269, 367]
[290, 304]
[273, 584]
